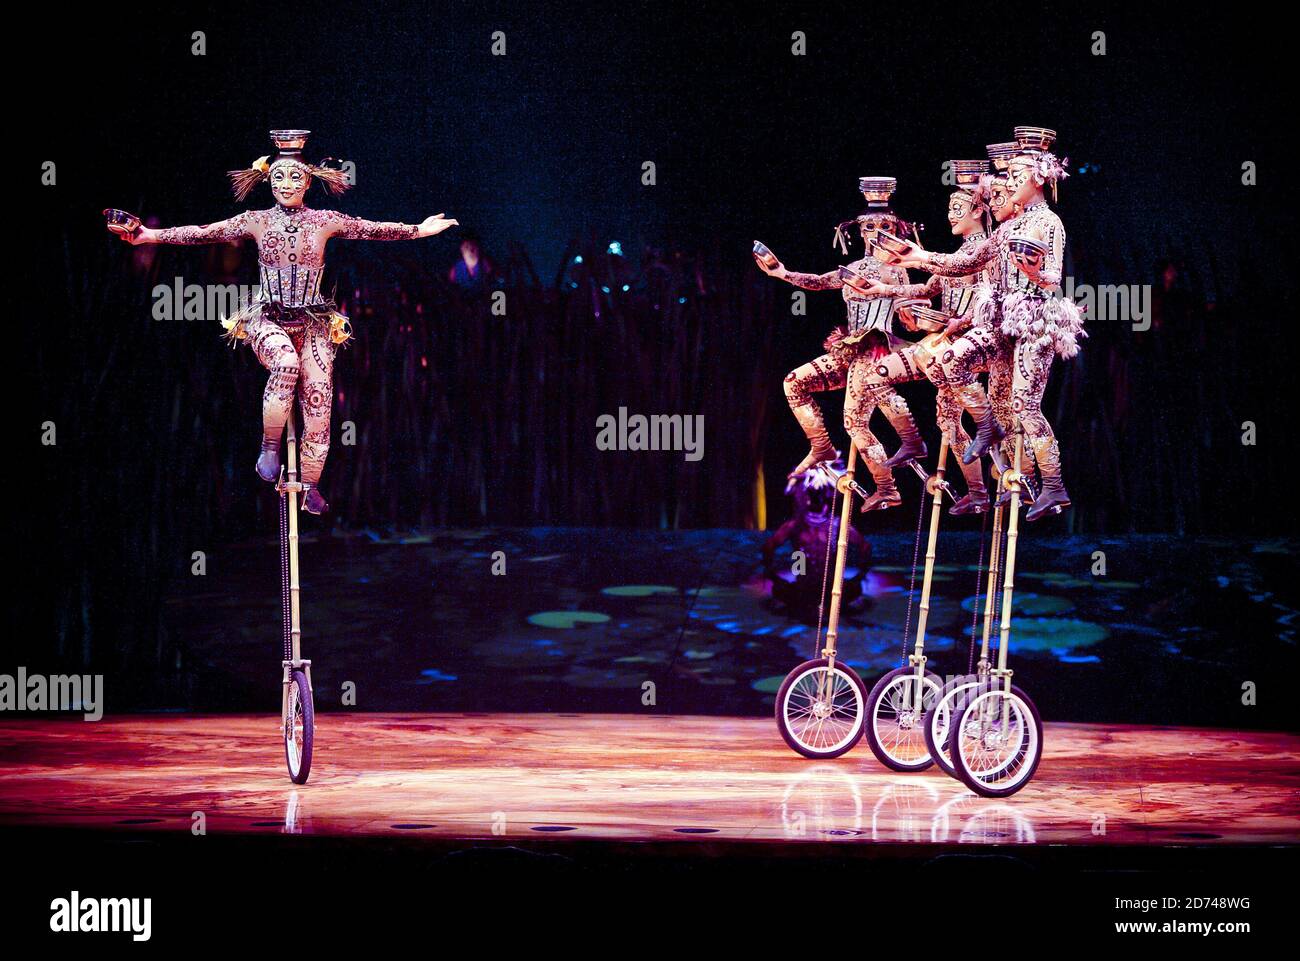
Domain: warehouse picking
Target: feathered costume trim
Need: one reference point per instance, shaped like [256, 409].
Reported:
[1055, 321]
[846, 347]
[326, 316]
[983, 311]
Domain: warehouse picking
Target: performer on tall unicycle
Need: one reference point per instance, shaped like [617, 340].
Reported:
[868, 332]
[293, 328]
[1025, 256]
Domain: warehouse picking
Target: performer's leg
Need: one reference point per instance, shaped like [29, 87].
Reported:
[875, 387]
[316, 395]
[948, 414]
[1001, 376]
[276, 352]
[1033, 363]
[968, 355]
[824, 373]
[858, 405]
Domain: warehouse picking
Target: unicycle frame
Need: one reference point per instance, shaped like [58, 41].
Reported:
[1013, 480]
[847, 486]
[290, 487]
[935, 485]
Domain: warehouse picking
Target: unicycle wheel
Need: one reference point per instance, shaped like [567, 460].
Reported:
[300, 733]
[820, 710]
[995, 740]
[898, 709]
[938, 723]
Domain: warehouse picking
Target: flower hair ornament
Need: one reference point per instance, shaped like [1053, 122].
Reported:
[1036, 143]
[288, 144]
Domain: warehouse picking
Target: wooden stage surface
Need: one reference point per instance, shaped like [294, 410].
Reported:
[632, 778]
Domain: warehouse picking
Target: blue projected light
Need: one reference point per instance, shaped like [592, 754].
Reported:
[616, 248]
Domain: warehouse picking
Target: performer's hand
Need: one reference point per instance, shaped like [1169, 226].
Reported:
[435, 225]
[778, 271]
[955, 326]
[141, 235]
[915, 256]
[1031, 265]
[877, 288]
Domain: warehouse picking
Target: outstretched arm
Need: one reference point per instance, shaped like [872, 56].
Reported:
[221, 232]
[354, 228]
[957, 264]
[830, 281]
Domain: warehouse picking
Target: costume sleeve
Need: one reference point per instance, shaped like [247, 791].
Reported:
[347, 227]
[896, 278]
[960, 264]
[1054, 262]
[830, 281]
[221, 232]
[931, 288]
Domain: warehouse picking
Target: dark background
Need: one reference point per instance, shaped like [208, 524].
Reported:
[469, 420]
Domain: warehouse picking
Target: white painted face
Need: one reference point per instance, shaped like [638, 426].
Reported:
[1022, 187]
[963, 215]
[289, 182]
[999, 203]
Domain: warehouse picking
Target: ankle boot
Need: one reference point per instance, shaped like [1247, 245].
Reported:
[976, 500]
[821, 449]
[313, 502]
[975, 402]
[885, 497]
[815, 456]
[268, 462]
[912, 448]
[1052, 500]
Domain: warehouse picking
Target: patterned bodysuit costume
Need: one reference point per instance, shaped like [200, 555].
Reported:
[1037, 323]
[930, 358]
[830, 371]
[288, 326]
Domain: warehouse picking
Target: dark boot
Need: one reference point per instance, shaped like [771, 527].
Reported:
[885, 497]
[312, 500]
[810, 419]
[1052, 500]
[975, 402]
[988, 434]
[268, 462]
[913, 448]
[816, 455]
[975, 502]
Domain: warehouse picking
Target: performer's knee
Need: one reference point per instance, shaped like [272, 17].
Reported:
[795, 392]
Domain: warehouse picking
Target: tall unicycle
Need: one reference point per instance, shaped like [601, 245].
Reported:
[995, 738]
[821, 705]
[900, 705]
[956, 689]
[298, 716]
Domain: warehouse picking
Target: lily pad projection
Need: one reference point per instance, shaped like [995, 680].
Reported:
[1061, 634]
[521, 651]
[638, 590]
[1025, 604]
[566, 619]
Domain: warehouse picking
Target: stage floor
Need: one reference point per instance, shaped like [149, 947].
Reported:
[632, 778]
